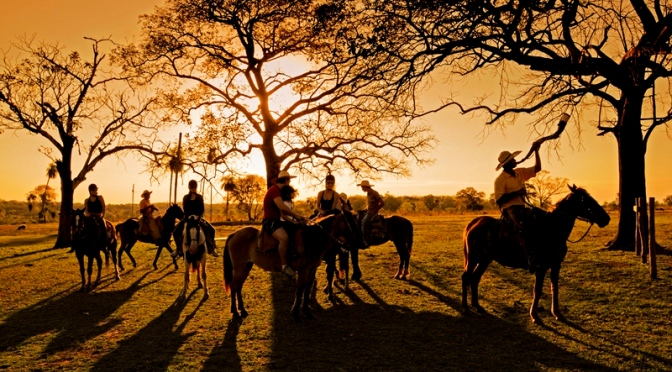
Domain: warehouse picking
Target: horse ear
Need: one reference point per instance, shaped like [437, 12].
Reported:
[572, 188]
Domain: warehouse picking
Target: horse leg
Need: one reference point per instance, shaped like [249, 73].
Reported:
[113, 253]
[204, 274]
[466, 283]
[305, 308]
[239, 276]
[122, 248]
[198, 274]
[331, 268]
[187, 267]
[555, 305]
[476, 276]
[298, 295]
[159, 248]
[130, 256]
[80, 259]
[344, 268]
[89, 271]
[99, 261]
[402, 257]
[539, 276]
[356, 271]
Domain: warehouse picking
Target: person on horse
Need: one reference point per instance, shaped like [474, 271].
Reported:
[346, 206]
[194, 205]
[147, 219]
[509, 194]
[274, 207]
[94, 208]
[374, 203]
[328, 199]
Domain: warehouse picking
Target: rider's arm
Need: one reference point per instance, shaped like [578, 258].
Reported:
[86, 207]
[285, 210]
[510, 195]
[381, 204]
[317, 202]
[102, 202]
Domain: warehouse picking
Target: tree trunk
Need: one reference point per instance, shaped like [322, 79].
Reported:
[271, 159]
[632, 179]
[64, 167]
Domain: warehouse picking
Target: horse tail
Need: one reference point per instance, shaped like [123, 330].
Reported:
[228, 266]
[117, 228]
[409, 237]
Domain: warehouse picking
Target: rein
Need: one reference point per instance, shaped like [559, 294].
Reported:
[340, 243]
[584, 234]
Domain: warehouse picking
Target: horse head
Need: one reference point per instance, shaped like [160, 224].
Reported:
[342, 229]
[193, 234]
[174, 212]
[586, 207]
[77, 223]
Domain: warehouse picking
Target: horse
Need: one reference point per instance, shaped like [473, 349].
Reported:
[87, 241]
[397, 229]
[483, 243]
[241, 253]
[195, 257]
[129, 233]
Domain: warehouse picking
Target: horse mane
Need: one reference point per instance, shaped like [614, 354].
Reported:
[575, 191]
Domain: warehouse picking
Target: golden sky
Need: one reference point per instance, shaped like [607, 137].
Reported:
[464, 156]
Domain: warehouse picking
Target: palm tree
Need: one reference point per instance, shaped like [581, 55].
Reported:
[31, 198]
[52, 171]
[228, 186]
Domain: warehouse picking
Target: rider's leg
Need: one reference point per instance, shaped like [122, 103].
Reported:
[366, 227]
[154, 228]
[210, 237]
[178, 245]
[283, 240]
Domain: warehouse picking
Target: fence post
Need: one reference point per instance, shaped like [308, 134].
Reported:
[638, 232]
[652, 238]
[644, 228]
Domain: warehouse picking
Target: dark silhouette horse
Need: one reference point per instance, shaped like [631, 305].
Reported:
[242, 252]
[88, 240]
[129, 233]
[193, 241]
[484, 242]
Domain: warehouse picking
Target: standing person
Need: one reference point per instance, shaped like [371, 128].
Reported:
[509, 193]
[273, 207]
[374, 203]
[94, 208]
[147, 219]
[194, 205]
[328, 199]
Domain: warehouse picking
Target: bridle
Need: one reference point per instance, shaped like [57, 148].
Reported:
[341, 244]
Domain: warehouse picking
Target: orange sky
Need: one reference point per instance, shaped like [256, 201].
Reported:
[463, 157]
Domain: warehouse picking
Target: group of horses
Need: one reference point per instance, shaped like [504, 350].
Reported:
[335, 236]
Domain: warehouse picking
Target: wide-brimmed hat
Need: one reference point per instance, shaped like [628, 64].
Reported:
[505, 157]
[365, 183]
[145, 192]
[283, 174]
[343, 196]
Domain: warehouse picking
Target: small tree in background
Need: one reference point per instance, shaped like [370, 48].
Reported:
[542, 188]
[249, 192]
[47, 197]
[470, 199]
[668, 200]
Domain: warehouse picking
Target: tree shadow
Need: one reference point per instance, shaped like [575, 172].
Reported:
[75, 318]
[381, 336]
[153, 347]
[17, 255]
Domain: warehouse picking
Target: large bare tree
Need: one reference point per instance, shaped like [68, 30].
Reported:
[292, 79]
[552, 55]
[82, 108]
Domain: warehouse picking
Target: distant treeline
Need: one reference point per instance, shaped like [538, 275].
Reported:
[16, 212]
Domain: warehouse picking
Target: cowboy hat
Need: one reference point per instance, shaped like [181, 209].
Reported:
[343, 196]
[283, 174]
[505, 157]
[365, 183]
[145, 192]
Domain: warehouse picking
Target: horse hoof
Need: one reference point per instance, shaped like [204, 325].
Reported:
[396, 276]
[155, 268]
[243, 313]
[117, 278]
[309, 315]
[480, 309]
[331, 298]
[560, 317]
[83, 289]
[466, 310]
[536, 319]
[206, 296]
[325, 289]
[356, 277]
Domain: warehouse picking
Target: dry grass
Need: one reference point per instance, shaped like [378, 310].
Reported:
[618, 319]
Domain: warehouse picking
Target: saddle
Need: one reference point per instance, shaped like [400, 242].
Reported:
[144, 230]
[517, 245]
[266, 243]
[378, 226]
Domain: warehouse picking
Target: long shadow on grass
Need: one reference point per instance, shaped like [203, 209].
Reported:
[388, 337]
[153, 347]
[17, 255]
[225, 356]
[75, 317]
[24, 241]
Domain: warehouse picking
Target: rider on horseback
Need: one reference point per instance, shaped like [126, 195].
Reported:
[374, 203]
[509, 193]
[94, 208]
[328, 199]
[194, 205]
[147, 219]
[273, 205]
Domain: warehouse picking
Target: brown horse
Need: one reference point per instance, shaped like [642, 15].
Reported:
[483, 243]
[241, 254]
[129, 234]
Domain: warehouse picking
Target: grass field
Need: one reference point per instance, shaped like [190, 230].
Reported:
[617, 318]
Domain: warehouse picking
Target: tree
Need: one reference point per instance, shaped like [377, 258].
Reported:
[249, 192]
[228, 186]
[293, 80]
[668, 200]
[542, 188]
[72, 102]
[47, 197]
[470, 199]
[392, 203]
[573, 53]
[431, 202]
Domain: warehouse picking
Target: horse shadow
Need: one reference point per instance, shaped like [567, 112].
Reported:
[154, 346]
[75, 317]
[225, 355]
[383, 336]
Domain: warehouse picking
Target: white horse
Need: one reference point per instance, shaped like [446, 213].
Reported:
[194, 248]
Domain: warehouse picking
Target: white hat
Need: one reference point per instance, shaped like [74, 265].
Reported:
[283, 174]
[145, 192]
[365, 183]
[505, 157]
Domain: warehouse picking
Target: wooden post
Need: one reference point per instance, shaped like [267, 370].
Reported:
[644, 229]
[638, 232]
[170, 189]
[132, 201]
[652, 238]
[179, 150]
